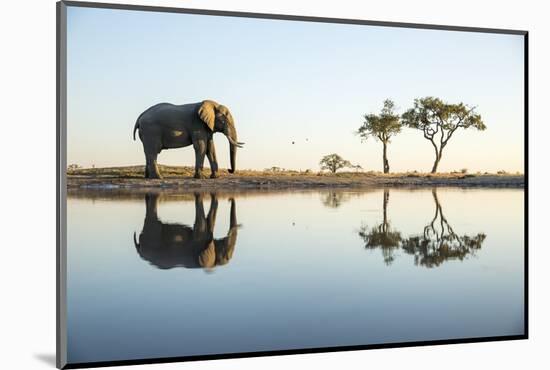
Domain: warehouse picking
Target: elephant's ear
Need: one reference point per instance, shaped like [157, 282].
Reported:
[207, 258]
[207, 113]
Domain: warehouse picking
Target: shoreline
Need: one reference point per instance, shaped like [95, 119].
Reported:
[294, 182]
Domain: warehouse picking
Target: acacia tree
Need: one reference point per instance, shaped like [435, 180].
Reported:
[381, 127]
[333, 162]
[439, 120]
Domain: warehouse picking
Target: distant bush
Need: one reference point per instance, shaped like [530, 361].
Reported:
[463, 170]
[357, 167]
[501, 172]
[333, 162]
[274, 169]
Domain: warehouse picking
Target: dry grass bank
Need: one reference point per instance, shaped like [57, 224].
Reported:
[176, 177]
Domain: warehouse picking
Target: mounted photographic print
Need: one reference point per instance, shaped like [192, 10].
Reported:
[238, 184]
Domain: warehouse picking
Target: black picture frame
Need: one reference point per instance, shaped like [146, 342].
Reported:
[61, 186]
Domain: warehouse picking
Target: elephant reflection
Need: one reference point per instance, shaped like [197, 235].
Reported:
[437, 243]
[169, 245]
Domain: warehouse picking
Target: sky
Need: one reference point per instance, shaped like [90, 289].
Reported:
[297, 90]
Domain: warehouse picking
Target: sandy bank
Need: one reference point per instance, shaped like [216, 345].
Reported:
[129, 178]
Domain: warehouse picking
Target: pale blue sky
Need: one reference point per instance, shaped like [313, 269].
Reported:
[288, 81]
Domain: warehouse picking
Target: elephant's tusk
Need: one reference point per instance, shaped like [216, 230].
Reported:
[236, 143]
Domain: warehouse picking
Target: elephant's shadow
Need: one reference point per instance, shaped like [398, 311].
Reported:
[169, 245]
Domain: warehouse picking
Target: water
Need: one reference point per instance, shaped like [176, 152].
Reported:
[227, 273]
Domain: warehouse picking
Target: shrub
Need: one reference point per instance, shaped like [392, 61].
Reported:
[333, 162]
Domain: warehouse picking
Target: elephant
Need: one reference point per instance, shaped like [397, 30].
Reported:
[167, 126]
[170, 245]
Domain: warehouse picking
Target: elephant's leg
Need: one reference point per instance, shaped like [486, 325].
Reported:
[151, 205]
[151, 168]
[200, 152]
[211, 218]
[200, 220]
[211, 154]
[156, 173]
[145, 150]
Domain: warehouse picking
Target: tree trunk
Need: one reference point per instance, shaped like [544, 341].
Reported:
[385, 207]
[436, 163]
[385, 159]
[434, 168]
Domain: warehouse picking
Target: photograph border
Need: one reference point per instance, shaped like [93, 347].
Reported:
[61, 186]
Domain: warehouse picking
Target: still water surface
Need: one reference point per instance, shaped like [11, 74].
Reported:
[163, 275]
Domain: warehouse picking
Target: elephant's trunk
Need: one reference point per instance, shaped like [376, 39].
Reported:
[232, 157]
[226, 246]
[231, 134]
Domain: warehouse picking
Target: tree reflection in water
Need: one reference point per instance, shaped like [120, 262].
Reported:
[382, 236]
[439, 244]
[436, 244]
[334, 199]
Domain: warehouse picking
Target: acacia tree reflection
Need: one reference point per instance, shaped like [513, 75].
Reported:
[334, 199]
[382, 236]
[437, 243]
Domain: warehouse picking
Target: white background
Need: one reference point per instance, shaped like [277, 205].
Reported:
[27, 168]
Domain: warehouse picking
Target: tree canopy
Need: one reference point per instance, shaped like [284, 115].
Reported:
[438, 121]
[333, 162]
[381, 126]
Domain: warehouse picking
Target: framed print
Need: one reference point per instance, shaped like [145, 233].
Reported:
[240, 184]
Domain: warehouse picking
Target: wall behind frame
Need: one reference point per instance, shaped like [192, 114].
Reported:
[28, 181]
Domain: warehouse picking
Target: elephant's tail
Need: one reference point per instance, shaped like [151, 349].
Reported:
[136, 127]
[136, 244]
